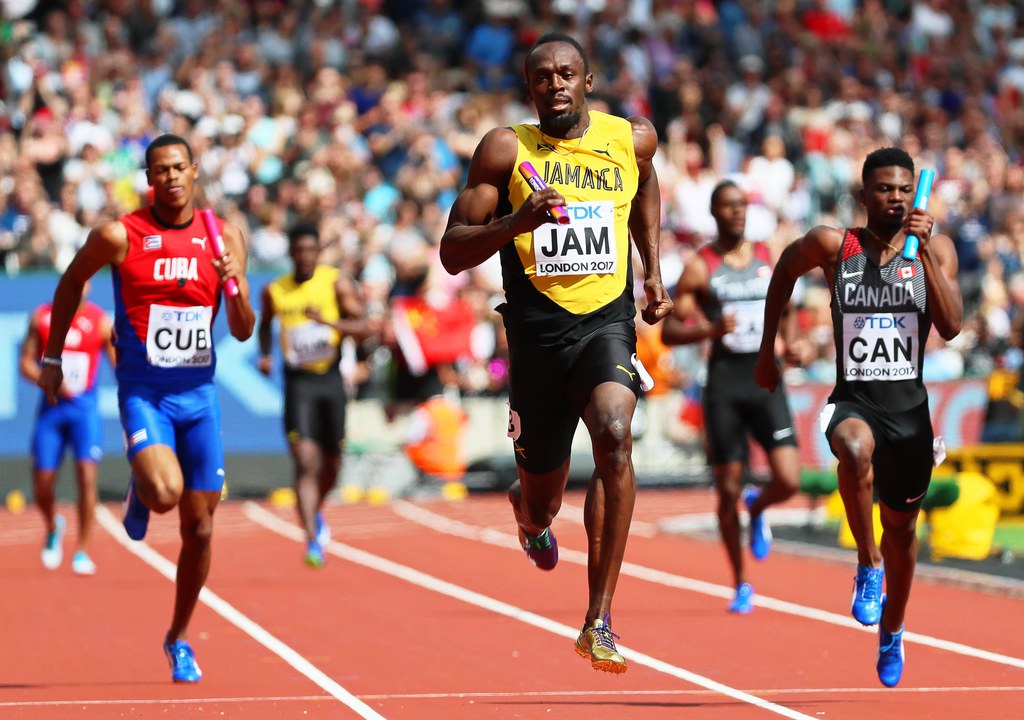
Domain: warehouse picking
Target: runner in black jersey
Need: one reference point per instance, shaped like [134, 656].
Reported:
[877, 420]
[720, 297]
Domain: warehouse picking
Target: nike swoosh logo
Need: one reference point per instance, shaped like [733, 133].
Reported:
[853, 274]
[913, 500]
[631, 375]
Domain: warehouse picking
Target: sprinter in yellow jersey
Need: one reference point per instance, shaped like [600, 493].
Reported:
[315, 305]
[569, 305]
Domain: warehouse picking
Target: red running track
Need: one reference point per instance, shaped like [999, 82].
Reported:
[430, 610]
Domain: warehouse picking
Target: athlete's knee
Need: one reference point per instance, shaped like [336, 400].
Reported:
[854, 453]
[612, 439]
[198, 531]
[160, 495]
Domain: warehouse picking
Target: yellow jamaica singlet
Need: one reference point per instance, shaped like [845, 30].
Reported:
[308, 345]
[562, 281]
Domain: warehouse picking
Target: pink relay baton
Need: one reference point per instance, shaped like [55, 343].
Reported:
[217, 240]
[535, 181]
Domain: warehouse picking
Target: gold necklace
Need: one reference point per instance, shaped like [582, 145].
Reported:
[884, 242]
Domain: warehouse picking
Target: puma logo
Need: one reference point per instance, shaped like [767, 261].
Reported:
[546, 146]
[631, 375]
[604, 152]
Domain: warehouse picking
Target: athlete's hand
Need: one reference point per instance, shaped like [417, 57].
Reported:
[659, 304]
[535, 211]
[725, 325]
[51, 377]
[314, 314]
[265, 364]
[919, 222]
[227, 267]
[766, 371]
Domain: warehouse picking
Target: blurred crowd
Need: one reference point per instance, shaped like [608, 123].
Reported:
[362, 116]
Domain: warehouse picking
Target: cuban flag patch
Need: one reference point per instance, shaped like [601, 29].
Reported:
[907, 272]
[152, 242]
[137, 437]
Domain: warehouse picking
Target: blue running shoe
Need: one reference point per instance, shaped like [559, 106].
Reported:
[743, 603]
[134, 515]
[323, 530]
[52, 553]
[184, 668]
[541, 549]
[890, 656]
[760, 530]
[866, 603]
[314, 554]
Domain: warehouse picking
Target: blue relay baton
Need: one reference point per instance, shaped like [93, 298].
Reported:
[924, 189]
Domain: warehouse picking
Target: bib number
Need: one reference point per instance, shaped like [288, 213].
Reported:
[746, 336]
[179, 336]
[586, 246]
[880, 346]
[75, 366]
[309, 343]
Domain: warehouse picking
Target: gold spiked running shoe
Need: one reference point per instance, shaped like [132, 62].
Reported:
[598, 644]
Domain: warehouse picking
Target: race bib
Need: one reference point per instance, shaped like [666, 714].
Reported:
[309, 343]
[179, 336]
[75, 366]
[585, 246]
[746, 336]
[880, 346]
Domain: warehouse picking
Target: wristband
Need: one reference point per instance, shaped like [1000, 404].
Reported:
[51, 361]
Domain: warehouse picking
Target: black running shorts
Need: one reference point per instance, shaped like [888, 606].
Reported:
[314, 408]
[549, 389]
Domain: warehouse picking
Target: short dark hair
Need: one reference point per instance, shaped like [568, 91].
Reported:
[553, 37]
[722, 186]
[166, 140]
[886, 157]
[301, 229]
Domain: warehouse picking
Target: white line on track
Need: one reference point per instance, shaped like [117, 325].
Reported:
[272, 522]
[442, 524]
[168, 569]
[524, 694]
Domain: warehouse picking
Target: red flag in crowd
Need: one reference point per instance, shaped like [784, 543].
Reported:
[429, 335]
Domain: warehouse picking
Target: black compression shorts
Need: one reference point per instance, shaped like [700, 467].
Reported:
[549, 389]
[903, 455]
[314, 409]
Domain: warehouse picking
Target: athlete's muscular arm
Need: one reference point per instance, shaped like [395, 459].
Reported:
[818, 248]
[265, 333]
[106, 244]
[474, 233]
[353, 320]
[938, 255]
[241, 317]
[645, 220]
[687, 324]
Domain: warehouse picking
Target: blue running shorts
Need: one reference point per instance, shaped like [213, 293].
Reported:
[73, 422]
[187, 421]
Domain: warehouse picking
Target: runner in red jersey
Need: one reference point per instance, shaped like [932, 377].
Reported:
[74, 421]
[167, 283]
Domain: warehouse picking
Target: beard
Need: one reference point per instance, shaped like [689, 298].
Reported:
[564, 122]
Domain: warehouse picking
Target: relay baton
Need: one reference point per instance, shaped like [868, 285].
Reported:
[217, 240]
[924, 189]
[535, 181]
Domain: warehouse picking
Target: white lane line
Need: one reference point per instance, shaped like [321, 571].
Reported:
[272, 522]
[442, 524]
[523, 694]
[168, 569]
